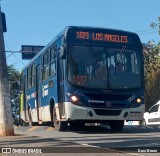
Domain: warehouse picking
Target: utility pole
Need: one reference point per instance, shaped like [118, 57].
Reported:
[6, 119]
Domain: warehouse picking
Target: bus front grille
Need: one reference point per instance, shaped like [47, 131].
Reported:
[105, 112]
[103, 105]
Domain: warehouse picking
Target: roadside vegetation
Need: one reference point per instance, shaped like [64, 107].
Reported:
[14, 87]
[152, 73]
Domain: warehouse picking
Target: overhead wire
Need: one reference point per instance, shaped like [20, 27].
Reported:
[144, 30]
[12, 53]
[147, 31]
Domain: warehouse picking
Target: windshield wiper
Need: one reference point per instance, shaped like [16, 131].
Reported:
[118, 62]
[120, 56]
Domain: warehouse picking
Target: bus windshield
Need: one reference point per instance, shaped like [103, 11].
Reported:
[104, 68]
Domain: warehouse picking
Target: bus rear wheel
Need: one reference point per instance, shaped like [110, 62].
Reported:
[116, 125]
[58, 124]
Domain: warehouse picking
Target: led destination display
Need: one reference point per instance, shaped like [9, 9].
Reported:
[94, 36]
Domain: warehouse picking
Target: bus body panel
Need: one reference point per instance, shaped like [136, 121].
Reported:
[53, 89]
[74, 112]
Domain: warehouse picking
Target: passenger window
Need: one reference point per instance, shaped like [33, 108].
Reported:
[31, 76]
[53, 61]
[45, 70]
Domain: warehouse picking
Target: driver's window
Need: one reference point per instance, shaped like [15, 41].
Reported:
[154, 109]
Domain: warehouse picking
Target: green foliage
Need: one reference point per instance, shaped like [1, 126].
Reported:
[13, 78]
[152, 74]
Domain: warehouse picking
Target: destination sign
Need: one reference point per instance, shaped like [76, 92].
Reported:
[106, 37]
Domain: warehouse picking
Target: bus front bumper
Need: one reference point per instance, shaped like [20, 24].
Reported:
[75, 112]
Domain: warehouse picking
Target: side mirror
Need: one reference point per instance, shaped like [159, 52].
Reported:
[63, 51]
[150, 111]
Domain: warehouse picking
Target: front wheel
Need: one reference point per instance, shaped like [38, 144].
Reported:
[116, 125]
[58, 124]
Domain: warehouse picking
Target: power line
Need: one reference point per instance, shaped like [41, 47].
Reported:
[9, 51]
[146, 33]
[13, 54]
[18, 59]
[9, 55]
[145, 30]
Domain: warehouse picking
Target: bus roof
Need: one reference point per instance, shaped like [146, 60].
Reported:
[99, 28]
[76, 28]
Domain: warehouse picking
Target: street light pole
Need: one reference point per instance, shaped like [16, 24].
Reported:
[6, 119]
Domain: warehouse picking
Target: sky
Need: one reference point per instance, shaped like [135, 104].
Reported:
[37, 22]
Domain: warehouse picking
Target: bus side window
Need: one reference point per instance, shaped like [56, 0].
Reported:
[29, 80]
[31, 76]
[53, 61]
[45, 63]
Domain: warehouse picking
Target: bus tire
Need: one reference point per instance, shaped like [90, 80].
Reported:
[58, 124]
[116, 125]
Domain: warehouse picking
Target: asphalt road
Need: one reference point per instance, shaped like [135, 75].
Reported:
[132, 140]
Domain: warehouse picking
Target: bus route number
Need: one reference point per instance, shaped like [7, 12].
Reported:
[83, 35]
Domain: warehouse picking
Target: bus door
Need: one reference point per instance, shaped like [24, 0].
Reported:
[38, 102]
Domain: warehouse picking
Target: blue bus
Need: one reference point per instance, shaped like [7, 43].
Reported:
[85, 75]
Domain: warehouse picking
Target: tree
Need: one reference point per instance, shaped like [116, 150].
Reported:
[152, 74]
[14, 85]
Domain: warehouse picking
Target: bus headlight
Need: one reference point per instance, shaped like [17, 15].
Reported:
[136, 103]
[138, 100]
[74, 98]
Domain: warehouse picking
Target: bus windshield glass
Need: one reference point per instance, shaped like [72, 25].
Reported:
[104, 68]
